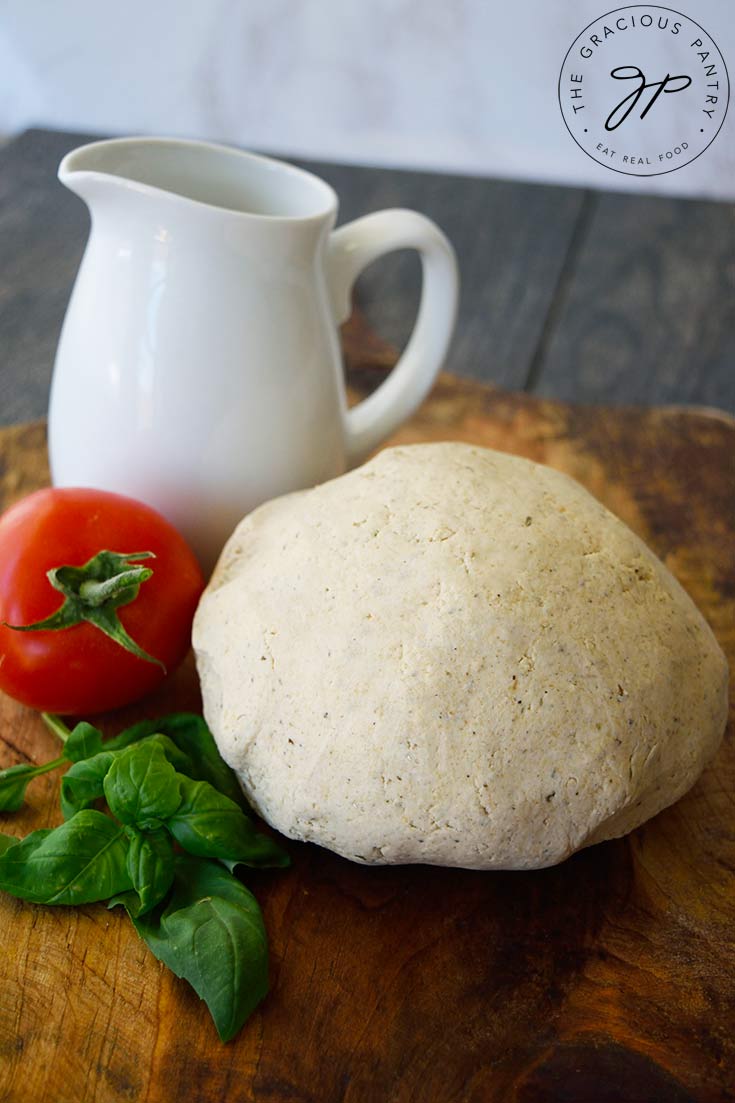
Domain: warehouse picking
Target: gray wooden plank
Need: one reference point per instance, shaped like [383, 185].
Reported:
[43, 228]
[511, 240]
[646, 312]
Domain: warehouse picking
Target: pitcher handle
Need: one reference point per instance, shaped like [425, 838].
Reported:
[351, 248]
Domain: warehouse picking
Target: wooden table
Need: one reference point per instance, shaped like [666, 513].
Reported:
[607, 979]
[581, 295]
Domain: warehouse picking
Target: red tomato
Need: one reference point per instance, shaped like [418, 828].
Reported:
[79, 670]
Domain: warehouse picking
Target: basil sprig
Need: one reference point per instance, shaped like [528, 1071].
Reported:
[177, 827]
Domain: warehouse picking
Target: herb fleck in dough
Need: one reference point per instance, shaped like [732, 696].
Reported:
[454, 656]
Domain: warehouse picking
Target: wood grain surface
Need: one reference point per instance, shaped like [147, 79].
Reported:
[608, 979]
[646, 309]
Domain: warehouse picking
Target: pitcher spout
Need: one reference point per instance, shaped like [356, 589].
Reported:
[199, 174]
[95, 170]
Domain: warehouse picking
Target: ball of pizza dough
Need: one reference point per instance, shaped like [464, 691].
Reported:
[458, 657]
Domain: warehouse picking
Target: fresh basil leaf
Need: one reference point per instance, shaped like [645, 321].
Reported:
[141, 787]
[210, 825]
[237, 867]
[151, 869]
[136, 733]
[82, 784]
[148, 730]
[192, 736]
[178, 759]
[142, 730]
[6, 841]
[130, 735]
[83, 860]
[211, 933]
[13, 783]
[83, 741]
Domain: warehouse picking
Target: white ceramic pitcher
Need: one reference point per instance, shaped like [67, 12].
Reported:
[199, 366]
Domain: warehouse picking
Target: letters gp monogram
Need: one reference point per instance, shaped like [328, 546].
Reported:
[644, 90]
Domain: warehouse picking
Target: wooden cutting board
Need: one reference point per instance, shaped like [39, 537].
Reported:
[608, 979]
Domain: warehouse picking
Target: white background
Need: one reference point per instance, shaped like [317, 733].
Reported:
[463, 85]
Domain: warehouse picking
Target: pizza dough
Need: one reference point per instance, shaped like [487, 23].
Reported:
[458, 657]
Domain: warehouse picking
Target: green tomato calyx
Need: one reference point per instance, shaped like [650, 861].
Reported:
[93, 593]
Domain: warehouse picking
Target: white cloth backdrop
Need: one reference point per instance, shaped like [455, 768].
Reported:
[464, 85]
